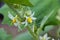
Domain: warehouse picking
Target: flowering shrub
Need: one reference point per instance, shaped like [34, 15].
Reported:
[38, 16]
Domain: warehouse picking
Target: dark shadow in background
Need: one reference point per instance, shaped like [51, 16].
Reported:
[1, 3]
[1, 18]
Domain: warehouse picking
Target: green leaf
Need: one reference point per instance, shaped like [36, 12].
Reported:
[22, 2]
[45, 19]
[4, 10]
[4, 35]
[48, 28]
[24, 36]
[44, 7]
[41, 8]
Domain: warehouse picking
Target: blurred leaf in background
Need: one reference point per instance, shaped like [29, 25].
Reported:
[22, 2]
[24, 36]
[41, 9]
[4, 35]
[44, 7]
[4, 10]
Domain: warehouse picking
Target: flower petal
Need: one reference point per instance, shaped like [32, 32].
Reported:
[32, 14]
[26, 17]
[52, 39]
[45, 36]
[23, 23]
[26, 23]
[16, 24]
[33, 18]
[10, 16]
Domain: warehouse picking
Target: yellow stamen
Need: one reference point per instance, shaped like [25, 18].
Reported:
[29, 20]
[14, 20]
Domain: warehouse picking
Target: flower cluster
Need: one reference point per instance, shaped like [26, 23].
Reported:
[25, 17]
[28, 17]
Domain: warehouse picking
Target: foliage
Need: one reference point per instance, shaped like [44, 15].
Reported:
[4, 35]
[22, 2]
[46, 12]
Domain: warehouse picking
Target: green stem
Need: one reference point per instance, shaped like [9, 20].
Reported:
[39, 30]
[33, 34]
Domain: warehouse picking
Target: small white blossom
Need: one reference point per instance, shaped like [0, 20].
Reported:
[29, 19]
[10, 16]
[16, 22]
[44, 37]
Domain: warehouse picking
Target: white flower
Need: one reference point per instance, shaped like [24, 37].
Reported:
[44, 37]
[29, 19]
[14, 19]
